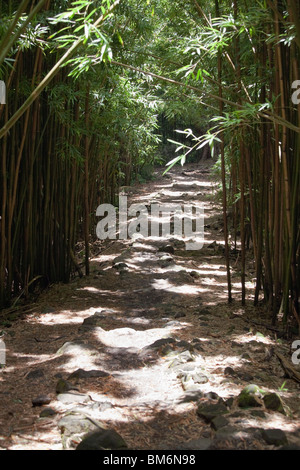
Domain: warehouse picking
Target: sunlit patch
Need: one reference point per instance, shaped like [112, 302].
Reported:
[104, 257]
[165, 284]
[243, 339]
[65, 317]
[31, 359]
[91, 289]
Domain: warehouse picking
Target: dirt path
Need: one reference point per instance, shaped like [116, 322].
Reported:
[149, 347]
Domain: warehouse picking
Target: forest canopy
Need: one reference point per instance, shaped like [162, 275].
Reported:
[99, 92]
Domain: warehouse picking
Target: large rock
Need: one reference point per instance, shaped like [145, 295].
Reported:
[77, 348]
[209, 411]
[102, 439]
[274, 437]
[272, 401]
[72, 397]
[74, 426]
[41, 400]
[250, 396]
[63, 386]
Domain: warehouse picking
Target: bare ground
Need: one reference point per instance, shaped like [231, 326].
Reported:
[152, 295]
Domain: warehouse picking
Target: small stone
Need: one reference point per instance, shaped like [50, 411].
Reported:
[245, 376]
[258, 414]
[120, 266]
[210, 411]
[35, 374]
[274, 437]
[249, 397]
[185, 356]
[102, 406]
[180, 315]
[196, 444]
[64, 386]
[219, 422]
[47, 412]
[246, 356]
[165, 261]
[41, 400]
[229, 371]
[272, 401]
[198, 347]
[229, 402]
[166, 350]
[211, 395]
[195, 274]
[183, 344]
[102, 440]
[160, 343]
[75, 348]
[48, 309]
[192, 395]
[199, 378]
[189, 386]
[167, 249]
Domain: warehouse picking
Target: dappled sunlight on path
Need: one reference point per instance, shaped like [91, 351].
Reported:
[144, 342]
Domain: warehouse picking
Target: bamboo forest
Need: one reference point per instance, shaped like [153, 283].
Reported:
[149, 227]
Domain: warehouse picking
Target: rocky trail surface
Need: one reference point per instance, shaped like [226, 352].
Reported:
[146, 353]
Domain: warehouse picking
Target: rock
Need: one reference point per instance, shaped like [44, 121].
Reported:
[258, 414]
[192, 395]
[184, 344]
[272, 401]
[246, 356]
[41, 400]
[249, 397]
[74, 426]
[35, 374]
[87, 374]
[76, 348]
[219, 422]
[229, 402]
[198, 347]
[182, 358]
[212, 396]
[93, 321]
[64, 386]
[196, 444]
[290, 447]
[48, 309]
[211, 411]
[195, 274]
[166, 350]
[274, 437]
[180, 315]
[160, 343]
[121, 266]
[102, 440]
[165, 261]
[167, 249]
[47, 412]
[189, 386]
[71, 397]
[229, 371]
[102, 406]
[75, 422]
[195, 376]
[245, 376]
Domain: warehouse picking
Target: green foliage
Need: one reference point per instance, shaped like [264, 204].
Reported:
[111, 105]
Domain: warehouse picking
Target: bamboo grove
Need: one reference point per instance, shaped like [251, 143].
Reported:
[90, 88]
